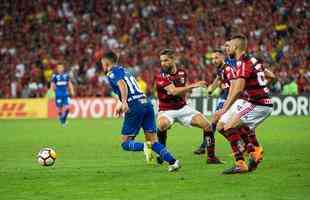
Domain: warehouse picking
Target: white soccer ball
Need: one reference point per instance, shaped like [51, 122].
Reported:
[46, 157]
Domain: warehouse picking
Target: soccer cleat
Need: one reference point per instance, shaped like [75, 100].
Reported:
[240, 167]
[159, 160]
[148, 152]
[255, 158]
[200, 151]
[175, 166]
[214, 160]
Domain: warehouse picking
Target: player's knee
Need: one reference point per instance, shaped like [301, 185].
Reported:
[201, 122]
[163, 124]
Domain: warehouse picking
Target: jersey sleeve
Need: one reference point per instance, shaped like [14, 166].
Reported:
[116, 75]
[244, 70]
[230, 73]
[53, 80]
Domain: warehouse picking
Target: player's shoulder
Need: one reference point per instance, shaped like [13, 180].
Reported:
[116, 71]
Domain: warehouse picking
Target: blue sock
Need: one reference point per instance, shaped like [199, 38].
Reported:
[163, 152]
[132, 145]
[65, 115]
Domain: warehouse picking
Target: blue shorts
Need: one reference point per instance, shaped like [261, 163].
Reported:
[220, 104]
[62, 101]
[139, 115]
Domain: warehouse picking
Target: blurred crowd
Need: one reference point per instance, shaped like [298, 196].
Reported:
[36, 35]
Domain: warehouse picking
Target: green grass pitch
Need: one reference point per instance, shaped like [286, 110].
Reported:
[92, 166]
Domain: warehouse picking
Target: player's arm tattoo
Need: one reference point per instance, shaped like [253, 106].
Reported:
[123, 90]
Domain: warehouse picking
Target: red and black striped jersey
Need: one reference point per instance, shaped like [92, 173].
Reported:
[226, 74]
[256, 90]
[167, 101]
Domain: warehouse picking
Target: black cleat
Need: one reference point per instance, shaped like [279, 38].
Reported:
[214, 160]
[200, 151]
[240, 167]
[159, 160]
[252, 164]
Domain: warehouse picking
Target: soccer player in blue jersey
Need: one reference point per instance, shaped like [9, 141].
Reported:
[138, 111]
[221, 80]
[62, 85]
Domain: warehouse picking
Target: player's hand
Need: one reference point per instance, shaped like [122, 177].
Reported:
[217, 115]
[118, 110]
[200, 84]
[125, 107]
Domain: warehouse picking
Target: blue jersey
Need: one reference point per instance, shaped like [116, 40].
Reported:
[61, 82]
[141, 112]
[120, 73]
[232, 62]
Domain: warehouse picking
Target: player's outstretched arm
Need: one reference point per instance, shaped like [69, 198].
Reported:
[214, 85]
[53, 86]
[124, 94]
[71, 88]
[172, 90]
[269, 74]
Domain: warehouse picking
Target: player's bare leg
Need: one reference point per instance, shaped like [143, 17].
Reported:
[161, 150]
[200, 121]
[232, 134]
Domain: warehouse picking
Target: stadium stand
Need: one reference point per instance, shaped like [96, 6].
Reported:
[35, 36]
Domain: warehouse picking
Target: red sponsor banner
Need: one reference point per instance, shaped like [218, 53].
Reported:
[23, 108]
[86, 108]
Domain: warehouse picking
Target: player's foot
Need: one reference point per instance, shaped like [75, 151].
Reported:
[175, 166]
[240, 167]
[148, 152]
[200, 151]
[214, 160]
[255, 158]
[64, 124]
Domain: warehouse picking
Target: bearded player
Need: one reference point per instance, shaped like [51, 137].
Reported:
[139, 112]
[171, 89]
[225, 74]
[248, 104]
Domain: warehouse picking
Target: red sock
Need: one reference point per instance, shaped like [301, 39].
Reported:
[210, 143]
[236, 143]
[244, 134]
[253, 139]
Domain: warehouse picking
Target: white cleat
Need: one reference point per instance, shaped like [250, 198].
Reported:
[175, 166]
[148, 152]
